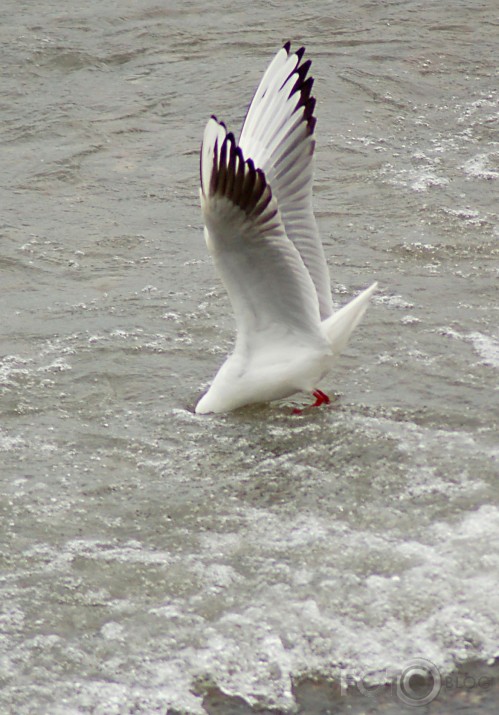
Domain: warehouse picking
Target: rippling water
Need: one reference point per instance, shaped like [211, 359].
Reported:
[150, 555]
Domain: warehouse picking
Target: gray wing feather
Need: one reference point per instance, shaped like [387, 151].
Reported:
[278, 135]
[270, 289]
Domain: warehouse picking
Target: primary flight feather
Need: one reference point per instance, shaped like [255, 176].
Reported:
[260, 229]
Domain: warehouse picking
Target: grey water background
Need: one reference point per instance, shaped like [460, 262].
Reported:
[148, 554]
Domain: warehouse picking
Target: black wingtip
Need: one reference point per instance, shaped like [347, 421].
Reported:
[303, 87]
[309, 108]
[220, 123]
[299, 53]
[306, 89]
[303, 69]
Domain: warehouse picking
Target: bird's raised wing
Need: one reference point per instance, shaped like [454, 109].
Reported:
[278, 134]
[270, 289]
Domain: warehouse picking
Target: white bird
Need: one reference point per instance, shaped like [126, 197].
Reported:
[260, 229]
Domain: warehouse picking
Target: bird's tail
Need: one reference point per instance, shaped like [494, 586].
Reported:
[340, 326]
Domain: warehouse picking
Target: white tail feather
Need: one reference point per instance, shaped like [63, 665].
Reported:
[340, 326]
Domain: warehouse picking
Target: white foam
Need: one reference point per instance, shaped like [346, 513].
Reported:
[394, 301]
[483, 166]
[419, 179]
[487, 347]
[426, 180]
[468, 216]
[10, 443]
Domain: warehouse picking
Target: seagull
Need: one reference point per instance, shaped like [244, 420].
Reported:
[260, 229]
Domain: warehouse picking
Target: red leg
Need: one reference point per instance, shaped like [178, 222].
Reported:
[320, 399]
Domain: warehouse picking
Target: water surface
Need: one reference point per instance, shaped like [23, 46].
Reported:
[150, 555]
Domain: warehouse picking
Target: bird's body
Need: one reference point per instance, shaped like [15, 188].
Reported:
[256, 198]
